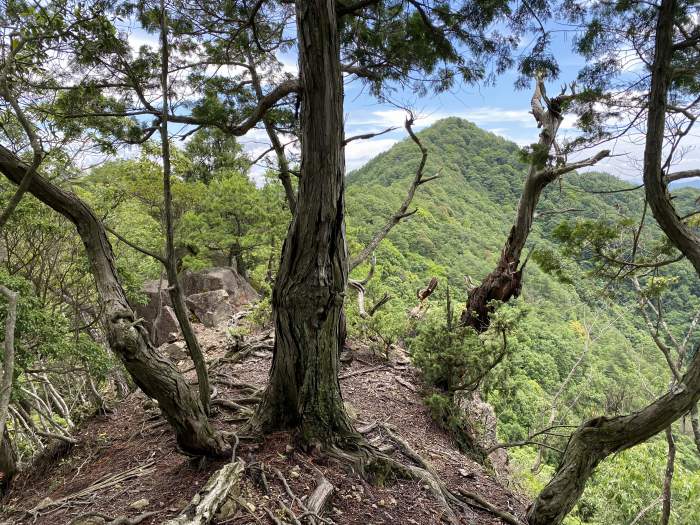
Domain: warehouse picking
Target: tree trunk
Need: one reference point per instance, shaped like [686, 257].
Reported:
[8, 364]
[128, 339]
[8, 463]
[695, 425]
[177, 297]
[505, 281]
[304, 391]
[598, 438]
[668, 478]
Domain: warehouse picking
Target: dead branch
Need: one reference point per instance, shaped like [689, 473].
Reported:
[402, 212]
[320, 497]
[104, 483]
[428, 290]
[207, 501]
[646, 509]
[366, 136]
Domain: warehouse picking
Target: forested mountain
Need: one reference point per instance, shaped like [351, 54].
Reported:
[462, 221]
[206, 319]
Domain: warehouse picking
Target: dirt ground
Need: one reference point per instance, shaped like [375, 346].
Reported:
[132, 454]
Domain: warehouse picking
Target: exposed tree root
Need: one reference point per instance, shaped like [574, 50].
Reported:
[313, 508]
[119, 520]
[377, 466]
[102, 484]
[505, 516]
[209, 499]
[232, 405]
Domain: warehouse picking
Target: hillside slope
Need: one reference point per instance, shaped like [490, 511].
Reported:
[126, 463]
[462, 221]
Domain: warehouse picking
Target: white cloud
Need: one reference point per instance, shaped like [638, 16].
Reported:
[359, 152]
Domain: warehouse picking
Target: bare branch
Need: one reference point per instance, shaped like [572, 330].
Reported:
[554, 172]
[402, 212]
[135, 246]
[366, 136]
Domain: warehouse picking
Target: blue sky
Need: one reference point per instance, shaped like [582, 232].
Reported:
[498, 108]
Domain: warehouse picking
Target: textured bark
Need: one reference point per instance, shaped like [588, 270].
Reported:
[505, 281]
[307, 300]
[8, 463]
[598, 438]
[128, 339]
[695, 425]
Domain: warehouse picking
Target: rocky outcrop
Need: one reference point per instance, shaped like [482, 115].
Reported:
[239, 291]
[213, 296]
[211, 308]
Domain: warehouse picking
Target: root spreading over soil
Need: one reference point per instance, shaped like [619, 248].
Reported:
[126, 467]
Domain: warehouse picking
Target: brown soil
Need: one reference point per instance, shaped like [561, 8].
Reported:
[133, 436]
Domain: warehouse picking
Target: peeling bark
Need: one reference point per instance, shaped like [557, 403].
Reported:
[128, 339]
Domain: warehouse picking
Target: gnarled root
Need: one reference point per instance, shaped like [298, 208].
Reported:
[378, 467]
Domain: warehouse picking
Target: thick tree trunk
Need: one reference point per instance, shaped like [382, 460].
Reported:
[128, 339]
[304, 392]
[598, 438]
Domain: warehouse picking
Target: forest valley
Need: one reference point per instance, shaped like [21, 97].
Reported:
[463, 330]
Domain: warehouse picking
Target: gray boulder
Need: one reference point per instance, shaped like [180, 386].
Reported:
[166, 329]
[239, 291]
[175, 351]
[149, 310]
[211, 308]
[213, 296]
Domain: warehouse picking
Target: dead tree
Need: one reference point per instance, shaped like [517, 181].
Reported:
[505, 281]
[402, 212]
